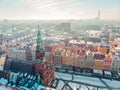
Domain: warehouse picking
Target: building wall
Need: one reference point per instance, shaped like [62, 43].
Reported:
[80, 61]
[57, 57]
[2, 61]
[16, 55]
[107, 65]
[98, 64]
[115, 66]
[47, 73]
[69, 59]
[24, 55]
[89, 61]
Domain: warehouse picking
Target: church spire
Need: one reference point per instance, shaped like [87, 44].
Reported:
[39, 47]
[39, 40]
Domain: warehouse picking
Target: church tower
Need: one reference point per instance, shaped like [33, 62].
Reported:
[44, 71]
[40, 53]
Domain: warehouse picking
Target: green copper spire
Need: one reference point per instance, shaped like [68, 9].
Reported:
[40, 81]
[39, 48]
[39, 40]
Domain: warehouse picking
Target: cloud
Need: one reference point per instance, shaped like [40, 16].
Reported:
[62, 9]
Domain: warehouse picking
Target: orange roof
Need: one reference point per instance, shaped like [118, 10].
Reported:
[77, 51]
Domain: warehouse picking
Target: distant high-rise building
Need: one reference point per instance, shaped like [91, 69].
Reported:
[98, 15]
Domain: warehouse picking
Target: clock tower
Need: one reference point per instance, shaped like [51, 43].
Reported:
[44, 71]
[39, 47]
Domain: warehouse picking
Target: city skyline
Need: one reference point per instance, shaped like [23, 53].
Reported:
[59, 9]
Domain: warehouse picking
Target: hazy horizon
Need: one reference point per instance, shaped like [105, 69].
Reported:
[59, 9]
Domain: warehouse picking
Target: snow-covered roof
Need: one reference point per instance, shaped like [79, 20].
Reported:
[72, 41]
[90, 42]
[107, 72]
[116, 57]
[97, 71]
[83, 81]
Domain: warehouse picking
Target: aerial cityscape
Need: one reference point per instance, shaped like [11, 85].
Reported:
[59, 45]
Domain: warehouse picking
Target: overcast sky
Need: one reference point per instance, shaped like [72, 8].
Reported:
[59, 9]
